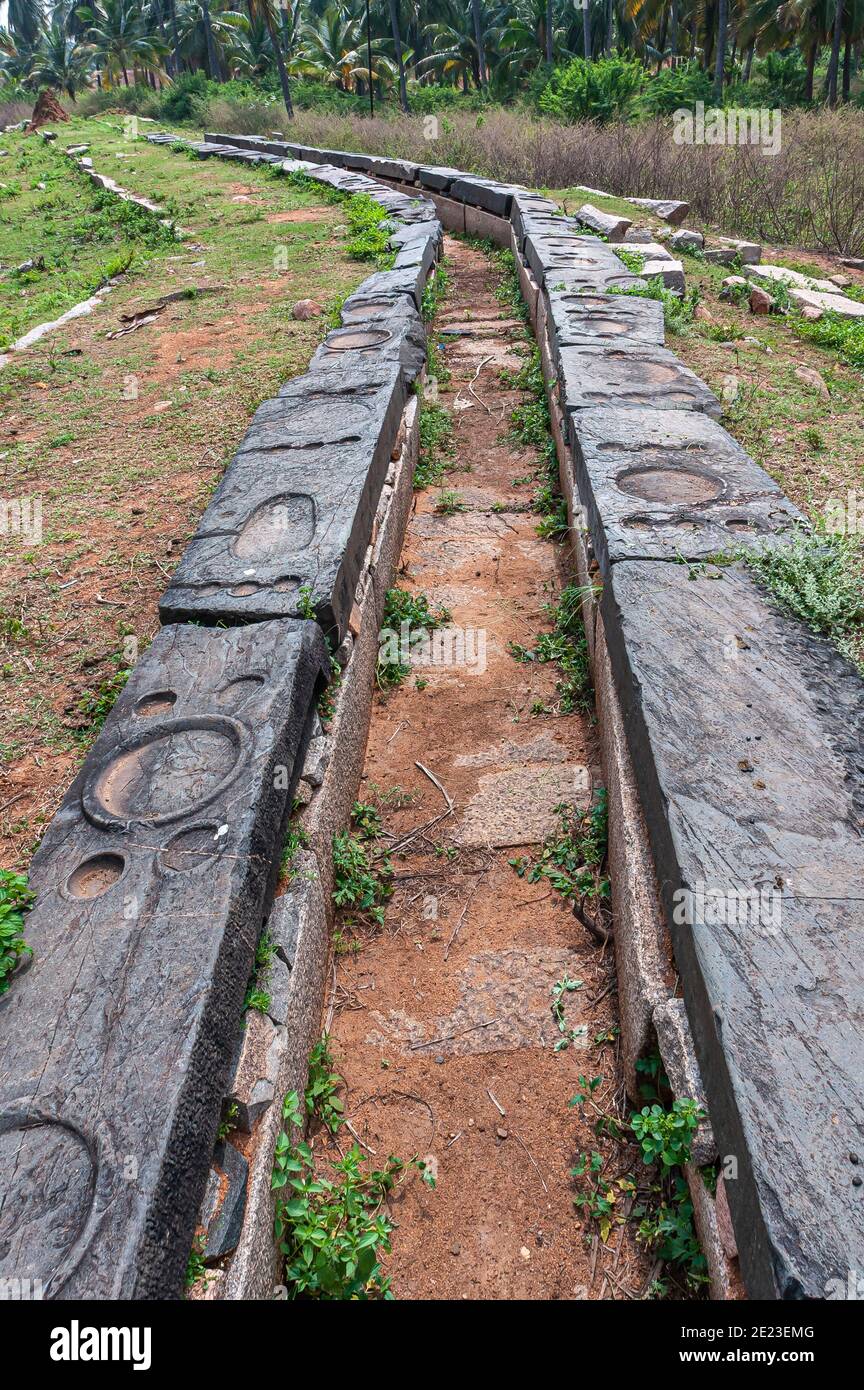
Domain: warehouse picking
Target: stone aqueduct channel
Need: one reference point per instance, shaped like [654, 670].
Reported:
[729, 740]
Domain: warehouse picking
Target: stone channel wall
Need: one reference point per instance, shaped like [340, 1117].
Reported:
[732, 742]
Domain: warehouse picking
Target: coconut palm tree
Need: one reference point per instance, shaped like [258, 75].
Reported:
[266, 10]
[118, 34]
[24, 20]
[400, 62]
[61, 61]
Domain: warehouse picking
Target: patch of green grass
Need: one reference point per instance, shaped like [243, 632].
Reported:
[678, 311]
[435, 292]
[362, 882]
[819, 578]
[369, 231]
[332, 1230]
[836, 334]
[295, 840]
[567, 646]
[15, 899]
[195, 1267]
[97, 704]
[436, 444]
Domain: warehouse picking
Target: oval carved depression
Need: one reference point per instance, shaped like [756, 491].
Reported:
[167, 774]
[95, 876]
[45, 1209]
[280, 526]
[675, 485]
[349, 339]
[357, 313]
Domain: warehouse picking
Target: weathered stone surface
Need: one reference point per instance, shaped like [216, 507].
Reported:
[276, 984]
[836, 302]
[675, 1042]
[221, 1219]
[773, 273]
[437, 177]
[720, 255]
[402, 169]
[669, 271]
[630, 375]
[747, 733]
[258, 1058]
[657, 484]
[528, 207]
[606, 223]
[603, 318]
[748, 252]
[153, 882]
[398, 336]
[494, 197]
[295, 508]
[669, 209]
[557, 250]
[686, 240]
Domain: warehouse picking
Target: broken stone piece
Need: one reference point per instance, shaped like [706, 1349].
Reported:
[259, 1053]
[224, 1203]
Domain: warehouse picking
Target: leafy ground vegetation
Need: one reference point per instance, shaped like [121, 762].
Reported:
[120, 430]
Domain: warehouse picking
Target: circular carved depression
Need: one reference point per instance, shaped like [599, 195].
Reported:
[679, 485]
[189, 849]
[357, 313]
[156, 703]
[162, 776]
[349, 339]
[279, 526]
[45, 1208]
[95, 876]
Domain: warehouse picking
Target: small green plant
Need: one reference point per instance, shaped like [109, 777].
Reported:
[567, 647]
[434, 293]
[305, 605]
[195, 1267]
[295, 840]
[321, 1096]
[97, 704]
[367, 820]
[362, 883]
[332, 1230]
[15, 899]
[228, 1123]
[370, 231]
[666, 1136]
[408, 619]
[599, 1198]
[560, 990]
[819, 578]
[448, 503]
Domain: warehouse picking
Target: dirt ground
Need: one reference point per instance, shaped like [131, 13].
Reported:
[442, 1021]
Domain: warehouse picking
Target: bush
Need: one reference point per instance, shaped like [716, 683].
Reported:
[674, 88]
[182, 101]
[585, 91]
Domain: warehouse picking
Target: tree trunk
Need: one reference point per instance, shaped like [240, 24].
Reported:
[610, 15]
[834, 63]
[478, 39]
[280, 62]
[175, 40]
[125, 78]
[550, 29]
[811, 64]
[397, 44]
[673, 27]
[720, 62]
[212, 60]
[586, 31]
[847, 67]
[749, 63]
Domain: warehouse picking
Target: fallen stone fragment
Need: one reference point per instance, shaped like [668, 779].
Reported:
[259, 1055]
[606, 223]
[671, 273]
[732, 286]
[748, 252]
[760, 301]
[811, 313]
[668, 209]
[307, 309]
[853, 262]
[791, 278]
[221, 1218]
[841, 281]
[836, 303]
[685, 240]
[811, 377]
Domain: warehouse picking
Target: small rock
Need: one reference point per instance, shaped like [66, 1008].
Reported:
[841, 281]
[502, 1133]
[525, 1252]
[162, 405]
[811, 377]
[48, 135]
[731, 389]
[810, 312]
[703, 314]
[224, 1203]
[686, 240]
[455, 1248]
[307, 309]
[761, 302]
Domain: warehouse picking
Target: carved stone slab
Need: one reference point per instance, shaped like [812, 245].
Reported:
[557, 250]
[629, 375]
[289, 524]
[747, 734]
[153, 881]
[494, 197]
[398, 337]
[603, 319]
[660, 484]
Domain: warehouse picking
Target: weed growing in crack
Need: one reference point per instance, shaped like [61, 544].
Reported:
[362, 879]
[435, 292]
[436, 444]
[332, 1230]
[448, 503]
[322, 1085]
[567, 646]
[408, 619]
[15, 899]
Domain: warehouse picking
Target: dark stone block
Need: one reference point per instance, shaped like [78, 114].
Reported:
[402, 169]
[437, 177]
[289, 524]
[603, 319]
[153, 882]
[530, 210]
[747, 734]
[390, 284]
[659, 484]
[224, 1204]
[625, 376]
[555, 255]
[401, 339]
[488, 194]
